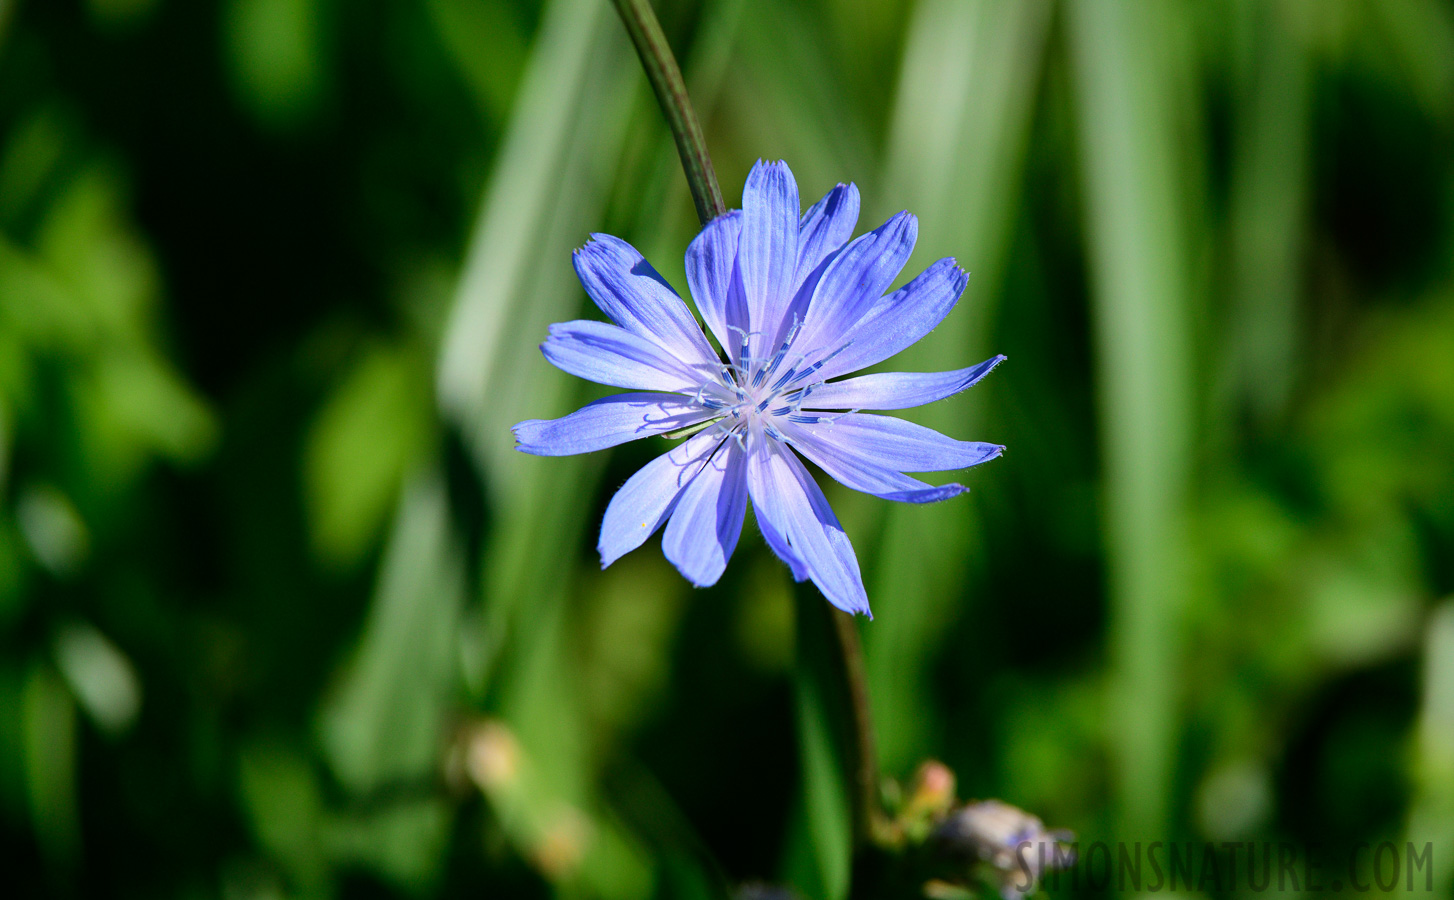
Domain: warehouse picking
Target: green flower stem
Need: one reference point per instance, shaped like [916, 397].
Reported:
[869, 822]
[671, 92]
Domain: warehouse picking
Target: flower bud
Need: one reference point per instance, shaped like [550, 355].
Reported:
[932, 791]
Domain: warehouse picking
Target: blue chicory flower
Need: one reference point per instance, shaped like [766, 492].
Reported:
[793, 302]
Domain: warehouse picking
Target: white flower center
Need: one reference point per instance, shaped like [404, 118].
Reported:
[759, 394]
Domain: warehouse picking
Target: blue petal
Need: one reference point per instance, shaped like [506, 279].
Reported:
[825, 228]
[854, 471]
[856, 279]
[785, 495]
[711, 262]
[768, 252]
[634, 296]
[896, 390]
[609, 354]
[890, 443]
[900, 319]
[608, 422]
[779, 544]
[824, 231]
[649, 496]
[708, 518]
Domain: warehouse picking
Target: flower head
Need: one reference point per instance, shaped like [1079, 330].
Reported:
[793, 301]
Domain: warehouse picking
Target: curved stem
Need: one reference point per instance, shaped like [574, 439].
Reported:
[671, 94]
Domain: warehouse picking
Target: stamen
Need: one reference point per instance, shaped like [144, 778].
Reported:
[820, 363]
[734, 432]
[746, 340]
[786, 377]
[821, 418]
[781, 352]
[797, 397]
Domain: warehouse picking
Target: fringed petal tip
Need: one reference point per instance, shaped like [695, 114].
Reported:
[768, 168]
[594, 237]
[953, 265]
[522, 443]
[991, 452]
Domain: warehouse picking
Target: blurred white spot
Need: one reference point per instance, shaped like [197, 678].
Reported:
[52, 528]
[492, 756]
[100, 676]
[1234, 800]
[563, 845]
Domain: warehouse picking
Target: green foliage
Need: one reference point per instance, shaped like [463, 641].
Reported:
[284, 614]
[278, 58]
[352, 466]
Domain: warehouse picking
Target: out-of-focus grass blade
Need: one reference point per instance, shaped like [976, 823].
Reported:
[540, 515]
[1267, 219]
[385, 722]
[48, 728]
[830, 829]
[956, 147]
[1125, 76]
[505, 257]
[546, 194]
[358, 450]
[788, 102]
[1432, 816]
[822, 868]
[467, 25]
[1421, 34]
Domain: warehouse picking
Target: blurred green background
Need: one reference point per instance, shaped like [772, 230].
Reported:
[282, 614]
